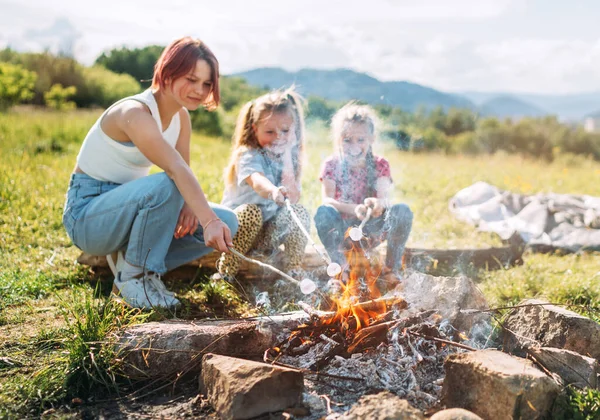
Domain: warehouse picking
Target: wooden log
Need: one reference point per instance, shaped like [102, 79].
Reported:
[370, 336]
[417, 258]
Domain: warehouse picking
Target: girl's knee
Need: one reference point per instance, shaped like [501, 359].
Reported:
[401, 212]
[326, 214]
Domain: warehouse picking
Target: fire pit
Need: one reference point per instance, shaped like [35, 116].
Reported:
[366, 342]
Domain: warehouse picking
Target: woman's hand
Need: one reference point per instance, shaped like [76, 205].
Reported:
[376, 205]
[217, 235]
[187, 223]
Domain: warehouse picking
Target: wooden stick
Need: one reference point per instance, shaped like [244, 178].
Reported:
[262, 264]
[322, 254]
[441, 340]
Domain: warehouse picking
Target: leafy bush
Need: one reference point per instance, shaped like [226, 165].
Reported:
[16, 85]
[51, 70]
[58, 97]
[207, 122]
[103, 87]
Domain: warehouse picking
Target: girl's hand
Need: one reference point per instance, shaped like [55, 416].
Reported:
[217, 235]
[278, 195]
[360, 211]
[376, 205]
[187, 223]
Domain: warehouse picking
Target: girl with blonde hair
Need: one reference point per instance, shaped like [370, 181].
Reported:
[265, 170]
[354, 179]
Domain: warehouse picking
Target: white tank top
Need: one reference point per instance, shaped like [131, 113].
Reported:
[106, 159]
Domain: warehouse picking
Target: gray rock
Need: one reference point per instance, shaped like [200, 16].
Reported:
[455, 414]
[496, 385]
[573, 368]
[156, 349]
[382, 406]
[551, 326]
[242, 389]
[448, 296]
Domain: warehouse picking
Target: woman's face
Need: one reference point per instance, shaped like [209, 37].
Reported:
[192, 89]
[275, 132]
[356, 141]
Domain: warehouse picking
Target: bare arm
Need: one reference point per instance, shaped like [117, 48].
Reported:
[187, 222]
[262, 186]
[140, 127]
[328, 194]
[382, 200]
[185, 135]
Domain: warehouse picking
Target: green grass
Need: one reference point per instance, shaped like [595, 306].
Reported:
[52, 319]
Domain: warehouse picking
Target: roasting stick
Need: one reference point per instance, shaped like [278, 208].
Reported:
[356, 233]
[333, 269]
[307, 286]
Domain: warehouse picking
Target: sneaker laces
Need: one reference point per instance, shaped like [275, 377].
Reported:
[156, 281]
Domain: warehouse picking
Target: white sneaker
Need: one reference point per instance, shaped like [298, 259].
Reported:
[115, 267]
[154, 291]
[137, 293]
[158, 284]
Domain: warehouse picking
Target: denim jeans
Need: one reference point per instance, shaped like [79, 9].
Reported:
[139, 216]
[395, 225]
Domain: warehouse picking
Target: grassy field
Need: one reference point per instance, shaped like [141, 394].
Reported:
[51, 314]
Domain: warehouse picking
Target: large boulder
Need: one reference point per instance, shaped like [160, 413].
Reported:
[538, 323]
[496, 385]
[242, 389]
[449, 296]
[162, 349]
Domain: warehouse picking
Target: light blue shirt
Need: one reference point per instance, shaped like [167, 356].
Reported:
[252, 161]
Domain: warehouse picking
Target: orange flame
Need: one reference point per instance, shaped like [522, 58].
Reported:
[360, 287]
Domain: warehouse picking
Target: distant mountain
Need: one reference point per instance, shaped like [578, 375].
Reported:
[344, 85]
[574, 106]
[595, 115]
[509, 107]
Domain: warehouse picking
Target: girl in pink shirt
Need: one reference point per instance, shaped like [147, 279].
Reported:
[354, 179]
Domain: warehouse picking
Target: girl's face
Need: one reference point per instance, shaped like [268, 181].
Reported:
[192, 90]
[275, 132]
[356, 141]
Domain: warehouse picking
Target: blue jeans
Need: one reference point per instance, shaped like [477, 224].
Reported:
[140, 216]
[395, 225]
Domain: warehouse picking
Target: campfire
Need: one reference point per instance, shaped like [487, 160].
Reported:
[368, 341]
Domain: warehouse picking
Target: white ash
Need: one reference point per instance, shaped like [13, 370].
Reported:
[386, 368]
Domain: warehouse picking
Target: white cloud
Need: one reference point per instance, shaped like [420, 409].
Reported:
[439, 43]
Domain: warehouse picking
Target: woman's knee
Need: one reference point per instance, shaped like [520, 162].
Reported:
[163, 189]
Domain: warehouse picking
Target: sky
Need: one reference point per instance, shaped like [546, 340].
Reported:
[528, 46]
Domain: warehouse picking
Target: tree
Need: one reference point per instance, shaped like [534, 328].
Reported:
[137, 62]
[16, 85]
[320, 108]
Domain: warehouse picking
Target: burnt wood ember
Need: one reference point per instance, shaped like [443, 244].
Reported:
[328, 334]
